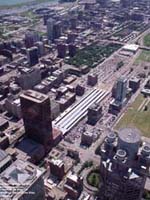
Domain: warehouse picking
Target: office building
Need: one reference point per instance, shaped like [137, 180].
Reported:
[126, 3]
[73, 153]
[92, 79]
[5, 160]
[73, 23]
[12, 105]
[125, 162]
[61, 49]
[66, 100]
[121, 90]
[80, 90]
[59, 74]
[84, 196]
[73, 185]
[14, 88]
[32, 55]
[115, 107]
[40, 46]
[94, 114]
[134, 84]
[72, 49]
[103, 3]
[71, 36]
[30, 38]
[36, 113]
[28, 78]
[41, 88]
[87, 138]
[3, 60]
[53, 29]
[57, 168]
[4, 90]
[45, 18]
[24, 178]
[29, 41]
[50, 24]
[4, 124]
[4, 141]
[57, 30]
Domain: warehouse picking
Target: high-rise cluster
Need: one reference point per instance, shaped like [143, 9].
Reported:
[125, 162]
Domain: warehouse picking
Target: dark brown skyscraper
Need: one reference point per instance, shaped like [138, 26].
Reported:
[36, 115]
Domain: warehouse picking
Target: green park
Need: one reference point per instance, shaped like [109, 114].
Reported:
[93, 54]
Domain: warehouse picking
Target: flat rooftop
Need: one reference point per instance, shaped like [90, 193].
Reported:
[131, 47]
[130, 135]
[34, 96]
[20, 175]
[135, 79]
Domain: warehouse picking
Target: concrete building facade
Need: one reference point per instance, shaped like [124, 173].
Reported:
[125, 161]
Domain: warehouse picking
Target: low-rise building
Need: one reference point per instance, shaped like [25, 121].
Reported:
[5, 160]
[13, 106]
[73, 185]
[3, 124]
[3, 60]
[57, 168]
[131, 48]
[4, 141]
[94, 114]
[66, 100]
[87, 138]
[92, 79]
[41, 88]
[134, 84]
[24, 178]
[80, 89]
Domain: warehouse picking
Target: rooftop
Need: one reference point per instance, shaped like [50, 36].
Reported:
[72, 177]
[135, 79]
[131, 47]
[19, 174]
[57, 162]
[34, 96]
[3, 155]
[129, 135]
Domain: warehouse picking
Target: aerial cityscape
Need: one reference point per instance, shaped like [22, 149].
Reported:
[74, 99]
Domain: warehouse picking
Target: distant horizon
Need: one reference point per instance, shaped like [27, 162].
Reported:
[13, 2]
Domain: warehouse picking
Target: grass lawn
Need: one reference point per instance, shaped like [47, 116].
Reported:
[144, 56]
[135, 117]
[93, 178]
[147, 40]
